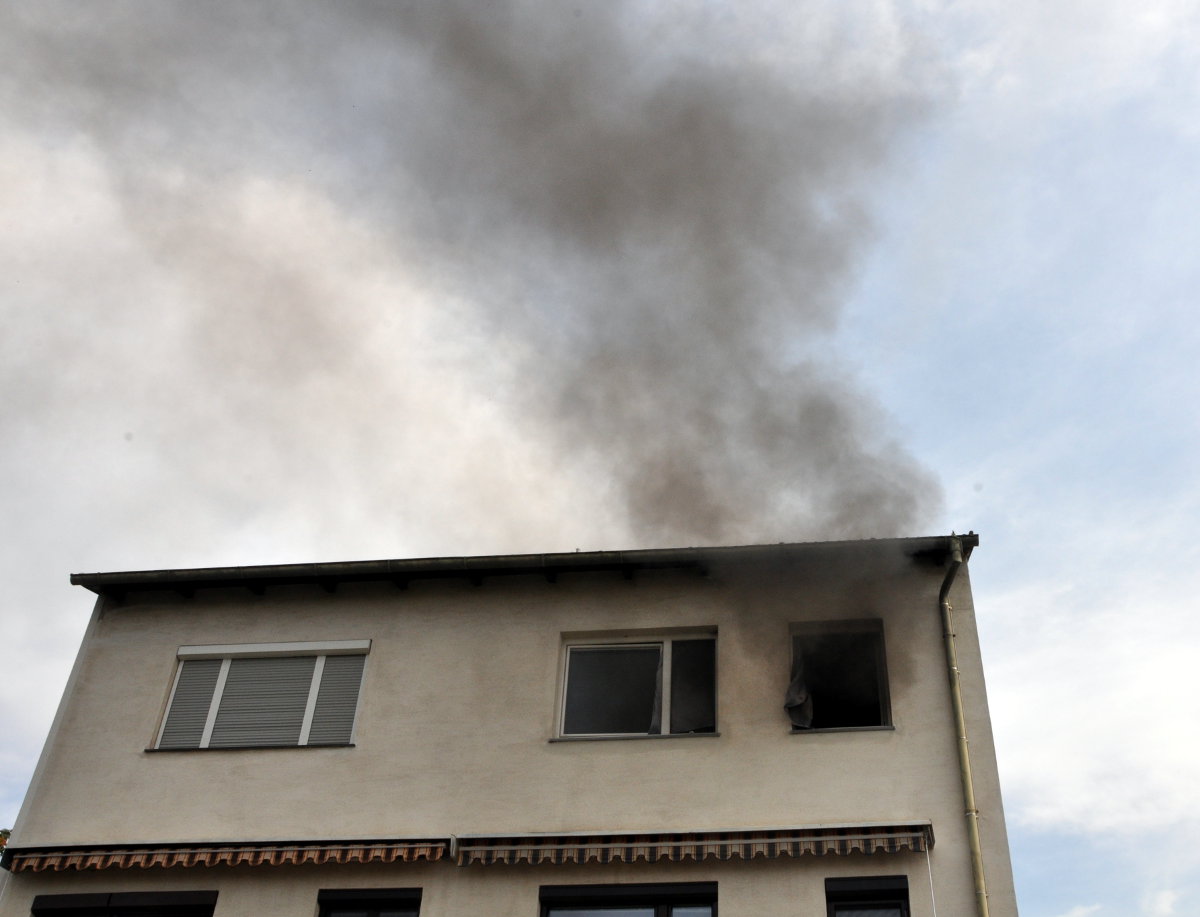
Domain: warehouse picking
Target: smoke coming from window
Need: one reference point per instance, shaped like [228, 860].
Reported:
[642, 221]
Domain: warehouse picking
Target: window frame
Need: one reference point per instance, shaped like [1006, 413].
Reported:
[660, 896]
[633, 639]
[849, 626]
[844, 896]
[318, 650]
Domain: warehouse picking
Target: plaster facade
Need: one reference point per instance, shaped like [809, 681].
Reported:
[456, 734]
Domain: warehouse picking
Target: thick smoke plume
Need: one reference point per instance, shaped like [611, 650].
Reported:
[641, 221]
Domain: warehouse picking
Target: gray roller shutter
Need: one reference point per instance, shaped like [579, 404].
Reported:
[337, 699]
[189, 706]
[263, 702]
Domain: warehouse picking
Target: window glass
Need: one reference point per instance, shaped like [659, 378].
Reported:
[684, 899]
[612, 690]
[869, 896]
[693, 698]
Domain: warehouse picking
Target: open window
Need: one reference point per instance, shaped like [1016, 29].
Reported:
[870, 896]
[263, 695]
[631, 687]
[838, 676]
[684, 899]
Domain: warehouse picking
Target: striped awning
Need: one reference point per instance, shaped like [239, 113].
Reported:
[717, 845]
[41, 859]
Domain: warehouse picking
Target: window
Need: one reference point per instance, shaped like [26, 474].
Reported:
[126, 904]
[875, 896]
[688, 899]
[638, 687]
[262, 695]
[838, 679]
[369, 902]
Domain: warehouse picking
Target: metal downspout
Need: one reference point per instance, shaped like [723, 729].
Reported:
[960, 724]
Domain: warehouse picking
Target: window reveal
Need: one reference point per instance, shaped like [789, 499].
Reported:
[636, 688]
[838, 677]
[244, 700]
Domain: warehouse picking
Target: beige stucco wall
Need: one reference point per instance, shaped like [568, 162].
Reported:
[458, 706]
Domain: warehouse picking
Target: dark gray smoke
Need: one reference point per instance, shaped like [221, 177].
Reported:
[652, 213]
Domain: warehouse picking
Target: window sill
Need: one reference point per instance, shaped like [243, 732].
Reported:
[888, 728]
[248, 748]
[637, 738]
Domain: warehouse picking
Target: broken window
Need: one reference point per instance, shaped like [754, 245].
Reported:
[869, 896]
[649, 687]
[838, 678]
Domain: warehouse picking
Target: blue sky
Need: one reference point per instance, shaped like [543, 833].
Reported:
[1016, 316]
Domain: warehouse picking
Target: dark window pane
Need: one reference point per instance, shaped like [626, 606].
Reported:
[843, 677]
[611, 690]
[702, 911]
[693, 701]
[868, 910]
[601, 912]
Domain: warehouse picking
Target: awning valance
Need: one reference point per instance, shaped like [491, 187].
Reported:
[623, 847]
[159, 855]
[671, 847]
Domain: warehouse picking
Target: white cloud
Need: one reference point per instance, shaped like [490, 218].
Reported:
[1162, 903]
[1044, 57]
[1082, 910]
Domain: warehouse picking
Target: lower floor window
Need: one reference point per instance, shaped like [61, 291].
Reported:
[872, 896]
[690, 899]
[369, 902]
[127, 904]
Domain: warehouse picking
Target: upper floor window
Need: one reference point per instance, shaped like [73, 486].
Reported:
[683, 899]
[640, 686]
[262, 695]
[839, 677]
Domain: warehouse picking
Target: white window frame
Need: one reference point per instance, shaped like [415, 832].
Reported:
[658, 638]
[228, 652]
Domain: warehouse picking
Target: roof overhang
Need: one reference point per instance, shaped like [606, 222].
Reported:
[476, 569]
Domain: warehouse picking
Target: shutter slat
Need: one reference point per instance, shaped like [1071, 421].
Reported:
[263, 702]
[333, 717]
[189, 706]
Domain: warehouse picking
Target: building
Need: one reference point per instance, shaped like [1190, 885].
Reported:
[772, 730]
